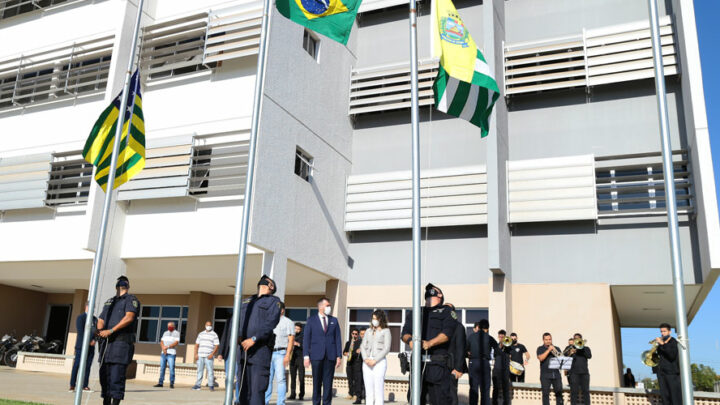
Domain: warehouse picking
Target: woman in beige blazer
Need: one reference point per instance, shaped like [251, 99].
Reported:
[375, 347]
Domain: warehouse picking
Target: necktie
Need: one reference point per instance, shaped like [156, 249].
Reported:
[324, 324]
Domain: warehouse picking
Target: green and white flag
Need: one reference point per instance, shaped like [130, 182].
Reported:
[464, 86]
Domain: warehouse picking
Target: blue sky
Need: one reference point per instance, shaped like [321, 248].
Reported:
[704, 330]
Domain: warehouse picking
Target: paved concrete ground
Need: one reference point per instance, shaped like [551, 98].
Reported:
[49, 388]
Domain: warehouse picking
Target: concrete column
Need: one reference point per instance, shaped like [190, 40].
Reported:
[500, 303]
[497, 156]
[336, 291]
[78, 307]
[274, 266]
[200, 307]
[112, 266]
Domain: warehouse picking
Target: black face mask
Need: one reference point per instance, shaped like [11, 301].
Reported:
[432, 291]
[265, 280]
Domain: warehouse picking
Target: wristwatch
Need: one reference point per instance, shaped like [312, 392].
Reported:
[254, 339]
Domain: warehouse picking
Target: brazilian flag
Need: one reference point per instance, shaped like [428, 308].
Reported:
[332, 18]
[99, 145]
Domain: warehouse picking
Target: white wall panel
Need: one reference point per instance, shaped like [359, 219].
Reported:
[448, 197]
[554, 189]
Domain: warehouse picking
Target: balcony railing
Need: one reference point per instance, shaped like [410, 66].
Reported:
[199, 41]
[69, 71]
[388, 87]
[197, 166]
[594, 57]
[11, 8]
[70, 177]
[631, 185]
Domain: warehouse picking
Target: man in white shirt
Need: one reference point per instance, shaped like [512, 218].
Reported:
[206, 345]
[170, 339]
[282, 352]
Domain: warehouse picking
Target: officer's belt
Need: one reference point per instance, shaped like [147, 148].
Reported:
[435, 358]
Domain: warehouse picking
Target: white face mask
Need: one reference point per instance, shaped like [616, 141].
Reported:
[328, 310]
[375, 323]
[208, 328]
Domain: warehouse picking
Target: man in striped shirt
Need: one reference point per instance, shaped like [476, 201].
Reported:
[206, 345]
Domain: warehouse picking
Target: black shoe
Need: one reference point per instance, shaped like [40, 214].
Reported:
[172, 385]
[359, 401]
[158, 385]
[292, 396]
[300, 398]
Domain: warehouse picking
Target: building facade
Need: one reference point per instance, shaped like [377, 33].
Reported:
[554, 222]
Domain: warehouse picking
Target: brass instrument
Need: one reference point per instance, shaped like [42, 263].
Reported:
[555, 352]
[651, 358]
[507, 341]
[579, 343]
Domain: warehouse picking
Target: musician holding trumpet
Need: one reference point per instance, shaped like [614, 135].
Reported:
[549, 377]
[579, 375]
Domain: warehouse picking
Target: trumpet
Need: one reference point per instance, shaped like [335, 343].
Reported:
[579, 343]
[555, 352]
[651, 358]
[507, 341]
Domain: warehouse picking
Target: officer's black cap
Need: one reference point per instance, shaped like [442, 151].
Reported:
[122, 281]
[430, 286]
[265, 280]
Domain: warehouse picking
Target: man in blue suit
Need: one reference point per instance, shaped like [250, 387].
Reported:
[323, 349]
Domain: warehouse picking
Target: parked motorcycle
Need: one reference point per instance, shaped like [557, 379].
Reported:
[6, 343]
[29, 343]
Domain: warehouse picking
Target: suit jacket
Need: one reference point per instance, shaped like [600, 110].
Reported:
[321, 345]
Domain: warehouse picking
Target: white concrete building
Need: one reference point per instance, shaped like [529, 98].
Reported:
[560, 208]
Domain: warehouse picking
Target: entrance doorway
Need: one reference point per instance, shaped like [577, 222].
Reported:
[58, 323]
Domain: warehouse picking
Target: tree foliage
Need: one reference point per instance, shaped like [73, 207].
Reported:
[650, 383]
[703, 377]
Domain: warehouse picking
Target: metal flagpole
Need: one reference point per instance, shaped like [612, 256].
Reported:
[671, 205]
[97, 262]
[414, 113]
[257, 107]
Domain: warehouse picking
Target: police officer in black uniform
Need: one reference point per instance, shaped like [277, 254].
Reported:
[259, 315]
[438, 327]
[668, 370]
[501, 371]
[457, 351]
[116, 328]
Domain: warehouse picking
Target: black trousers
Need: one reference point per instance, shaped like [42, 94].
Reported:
[579, 383]
[501, 384]
[517, 378]
[436, 384]
[254, 383]
[474, 374]
[670, 390]
[556, 383]
[297, 369]
[322, 372]
[356, 387]
[112, 380]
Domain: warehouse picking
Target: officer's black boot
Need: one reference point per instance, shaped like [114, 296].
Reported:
[116, 401]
